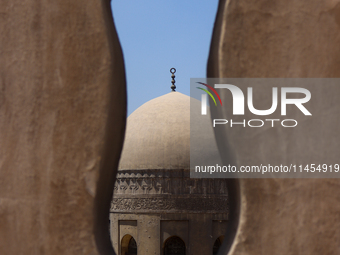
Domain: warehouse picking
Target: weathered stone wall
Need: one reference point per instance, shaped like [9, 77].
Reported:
[280, 39]
[62, 120]
[165, 203]
[199, 231]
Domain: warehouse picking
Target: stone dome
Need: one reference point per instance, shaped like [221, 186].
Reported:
[158, 134]
[154, 191]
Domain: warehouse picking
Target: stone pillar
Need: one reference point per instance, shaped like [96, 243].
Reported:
[281, 39]
[114, 232]
[149, 235]
[63, 110]
[200, 235]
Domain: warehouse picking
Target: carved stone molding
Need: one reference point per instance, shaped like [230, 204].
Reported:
[215, 204]
[165, 182]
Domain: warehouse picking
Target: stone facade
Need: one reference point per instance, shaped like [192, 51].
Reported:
[154, 205]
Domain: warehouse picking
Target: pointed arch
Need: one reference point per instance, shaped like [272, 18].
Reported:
[174, 245]
[217, 245]
[128, 245]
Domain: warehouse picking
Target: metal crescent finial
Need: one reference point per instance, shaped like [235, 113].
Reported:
[173, 86]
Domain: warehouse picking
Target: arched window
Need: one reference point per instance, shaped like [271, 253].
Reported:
[128, 245]
[174, 246]
[217, 245]
[132, 248]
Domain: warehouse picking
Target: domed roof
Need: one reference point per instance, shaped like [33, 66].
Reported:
[158, 135]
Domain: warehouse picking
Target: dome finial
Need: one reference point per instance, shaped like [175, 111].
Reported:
[173, 86]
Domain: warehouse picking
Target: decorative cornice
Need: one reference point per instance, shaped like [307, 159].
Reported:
[216, 204]
[165, 182]
[150, 191]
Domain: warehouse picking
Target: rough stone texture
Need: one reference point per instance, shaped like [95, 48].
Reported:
[63, 110]
[280, 39]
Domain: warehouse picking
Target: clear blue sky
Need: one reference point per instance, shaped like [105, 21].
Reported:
[158, 34]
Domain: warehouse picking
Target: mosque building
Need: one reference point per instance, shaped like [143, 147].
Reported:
[157, 208]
